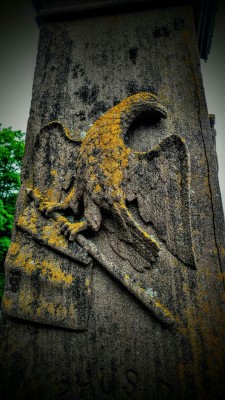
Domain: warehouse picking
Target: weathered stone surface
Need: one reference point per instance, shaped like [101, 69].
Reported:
[48, 278]
[128, 350]
[57, 10]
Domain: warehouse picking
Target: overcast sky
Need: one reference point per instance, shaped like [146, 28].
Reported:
[18, 48]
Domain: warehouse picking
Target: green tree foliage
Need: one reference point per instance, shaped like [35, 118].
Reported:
[11, 152]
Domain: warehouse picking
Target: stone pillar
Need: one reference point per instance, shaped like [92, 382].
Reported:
[133, 306]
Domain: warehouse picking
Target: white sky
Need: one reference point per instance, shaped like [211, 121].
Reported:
[18, 47]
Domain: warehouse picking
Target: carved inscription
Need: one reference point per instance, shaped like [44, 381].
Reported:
[127, 383]
[83, 384]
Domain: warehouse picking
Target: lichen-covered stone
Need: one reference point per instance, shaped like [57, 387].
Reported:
[127, 351]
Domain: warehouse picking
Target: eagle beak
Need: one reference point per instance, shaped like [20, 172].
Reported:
[160, 109]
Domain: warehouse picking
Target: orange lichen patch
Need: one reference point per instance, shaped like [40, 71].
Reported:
[97, 188]
[45, 306]
[67, 133]
[71, 195]
[165, 310]
[49, 307]
[14, 248]
[93, 177]
[61, 219]
[53, 172]
[76, 226]
[87, 282]
[25, 260]
[92, 159]
[61, 311]
[53, 237]
[52, 193]
[7, 304]
[55, 274]
[72, 311]
[106, 136]
[33, 221]
[36, 192]
[179, 179]
[47, 232]
[25, 300]
[146, 235]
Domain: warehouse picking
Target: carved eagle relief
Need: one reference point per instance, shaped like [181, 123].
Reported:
[109, 175]
[99, 199]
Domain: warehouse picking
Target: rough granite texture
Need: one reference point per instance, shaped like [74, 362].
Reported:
[120, 346]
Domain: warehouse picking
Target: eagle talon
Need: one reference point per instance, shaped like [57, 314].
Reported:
[47, 208]
[70, 230]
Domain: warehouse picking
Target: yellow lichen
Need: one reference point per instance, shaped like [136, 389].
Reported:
[164, 310]
[72, 311]
[55, 274]
[51, 193]
[7, 304]
[25, 300]
[54, 238]
[33, 220]
[102, 166]
[14, 248]
[44, 307]
[36, 192]
[25, 260]
[61, 311]
[71, 194]
[53, 172]
[97, 188]
[76, 226]
[147, 236]
[67, 133]
[92, 159]
[106, 134]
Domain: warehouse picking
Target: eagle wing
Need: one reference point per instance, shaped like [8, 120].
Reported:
[55, 161]
[159, 181]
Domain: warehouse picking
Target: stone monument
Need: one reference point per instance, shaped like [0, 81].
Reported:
[115, 272]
